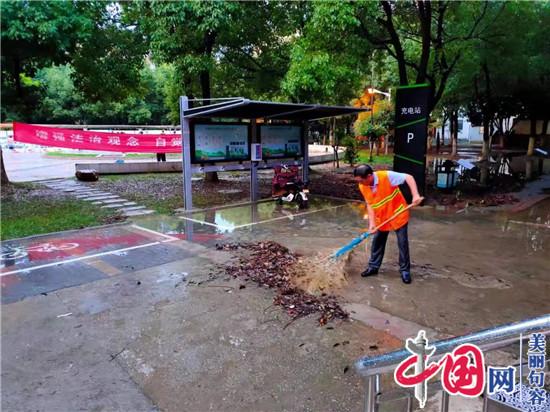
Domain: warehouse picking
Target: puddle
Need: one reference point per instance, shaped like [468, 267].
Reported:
[469, 270]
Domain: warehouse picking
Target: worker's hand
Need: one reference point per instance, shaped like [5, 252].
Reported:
[372, 228]
[416, 200]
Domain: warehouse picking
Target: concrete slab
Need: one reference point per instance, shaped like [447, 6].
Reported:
[69, 371]
[140, 212]
[21, 285]
[132, 208]
[85, 196]
[109, 201]
[113, 206]
[102, 197]
[146, 257]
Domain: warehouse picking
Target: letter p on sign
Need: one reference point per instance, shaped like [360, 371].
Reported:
[410, 136]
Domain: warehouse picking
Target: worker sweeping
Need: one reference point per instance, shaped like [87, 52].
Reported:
[384, 200]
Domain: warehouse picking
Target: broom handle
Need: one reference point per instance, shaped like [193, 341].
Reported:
[391, 218]
[367, 234]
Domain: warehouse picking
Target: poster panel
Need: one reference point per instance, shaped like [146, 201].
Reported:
[213, 142]
[281, 141]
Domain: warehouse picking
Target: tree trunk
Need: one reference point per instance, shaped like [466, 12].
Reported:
[531, 150]
[425, 15]
[17, 77]
[396, 42]
[454, 135]
[336, 158]
[443, 131]
[5, 180]
[204, 77]
[205, 86]
[485, 151]
[451, 128]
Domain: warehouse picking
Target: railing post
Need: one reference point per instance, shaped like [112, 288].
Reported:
[409, 402]
[485, 401]
[444, 401]
[373, 383]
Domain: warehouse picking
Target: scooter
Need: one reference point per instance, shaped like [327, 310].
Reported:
[287, 186]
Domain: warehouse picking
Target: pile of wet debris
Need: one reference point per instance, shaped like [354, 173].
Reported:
[272, 265]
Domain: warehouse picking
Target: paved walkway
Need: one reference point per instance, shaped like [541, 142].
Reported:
[98, 197]
[141, 316]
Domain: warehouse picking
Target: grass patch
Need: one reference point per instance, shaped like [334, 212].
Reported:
[24, 215]
[164, 206]
[382, 159]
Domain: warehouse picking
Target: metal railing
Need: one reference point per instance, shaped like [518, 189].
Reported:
[372, 367]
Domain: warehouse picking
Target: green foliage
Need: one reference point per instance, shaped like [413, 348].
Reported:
[326, 61]
[351, 154]
[108, 63]
[60, 102]
[503, 73]
[128, 62]
[319, 76]
[377, 125]
[365, 128]
[220, 48]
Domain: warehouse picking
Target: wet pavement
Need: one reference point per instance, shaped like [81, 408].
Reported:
[139, 316]
[471, 270]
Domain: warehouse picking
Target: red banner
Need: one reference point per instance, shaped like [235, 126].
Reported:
[100, 141]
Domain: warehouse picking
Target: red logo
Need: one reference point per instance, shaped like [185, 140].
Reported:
[463, 370]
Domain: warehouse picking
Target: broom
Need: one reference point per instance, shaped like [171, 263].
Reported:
[355, 242]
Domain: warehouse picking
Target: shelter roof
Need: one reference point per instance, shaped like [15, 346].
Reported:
[242, 108]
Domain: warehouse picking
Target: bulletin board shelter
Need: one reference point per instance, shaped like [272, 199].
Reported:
[258, 114]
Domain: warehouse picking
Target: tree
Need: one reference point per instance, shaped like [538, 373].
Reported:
[35, 35]
[60, 100]
[505, 73]
[108, 61]
[244, 42]
[3, 175]
[425, 39]
[106, 54]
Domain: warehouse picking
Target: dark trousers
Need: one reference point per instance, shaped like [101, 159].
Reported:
[379, 246]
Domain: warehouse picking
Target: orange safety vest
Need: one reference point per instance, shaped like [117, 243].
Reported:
[386, 202]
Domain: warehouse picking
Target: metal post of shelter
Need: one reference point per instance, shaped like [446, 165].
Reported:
[305, 161]
[254, 165]
[186, 155]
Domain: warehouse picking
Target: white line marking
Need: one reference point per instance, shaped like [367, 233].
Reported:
[288, 217]
[530, 224]
[155, 232]
[110, 252]
[206, 223]
[227, 228]
[65, 314]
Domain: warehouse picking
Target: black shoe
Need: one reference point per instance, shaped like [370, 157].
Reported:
[369, 272]
[406, 277]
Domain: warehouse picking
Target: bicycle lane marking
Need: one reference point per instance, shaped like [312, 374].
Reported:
[110, 252]
[47, 251]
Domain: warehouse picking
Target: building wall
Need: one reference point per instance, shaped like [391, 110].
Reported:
[466, 131]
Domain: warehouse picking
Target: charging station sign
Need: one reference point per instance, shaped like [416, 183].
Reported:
[411, 131]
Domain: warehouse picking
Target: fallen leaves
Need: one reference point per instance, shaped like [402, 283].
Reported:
[271, 265]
